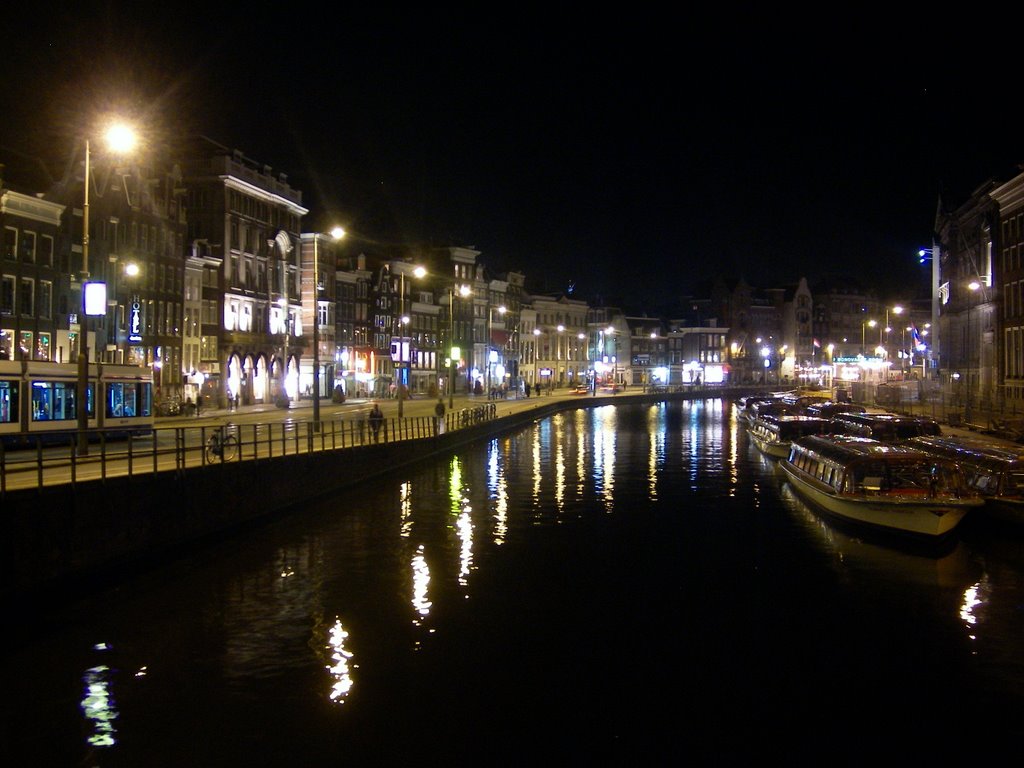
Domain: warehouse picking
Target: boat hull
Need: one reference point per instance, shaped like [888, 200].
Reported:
[923, 518]
[774, 449]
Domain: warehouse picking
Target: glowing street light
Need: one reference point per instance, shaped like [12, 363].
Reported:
[337, 233]
[490, 320]
[120, 139]
[871, 323]
[403, 347]
[454, 352]
[973, 287]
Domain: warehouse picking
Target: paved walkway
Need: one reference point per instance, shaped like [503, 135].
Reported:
[357, 408]
[416, 406]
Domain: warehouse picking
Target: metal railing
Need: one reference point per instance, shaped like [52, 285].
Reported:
[181, 448]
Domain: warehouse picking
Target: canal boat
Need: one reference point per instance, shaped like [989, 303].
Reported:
[994, 470]
[828, 409]
[886, 487]
[774, 433]
[885, 427]
[748, 407]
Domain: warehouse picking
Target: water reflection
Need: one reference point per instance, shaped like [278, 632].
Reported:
[949, 566]
[497, 484]
[98, 705]
[604, 429]
[341, 665]
[420, 583]
[619, 558]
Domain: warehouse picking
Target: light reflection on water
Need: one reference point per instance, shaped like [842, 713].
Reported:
[608, 581]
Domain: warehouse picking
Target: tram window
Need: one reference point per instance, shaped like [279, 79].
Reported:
[115, 400]
[8, 401]
[53, 401]
[63, 401]
[42, 400]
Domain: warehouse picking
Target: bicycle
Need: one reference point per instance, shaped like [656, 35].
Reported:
[221, 447]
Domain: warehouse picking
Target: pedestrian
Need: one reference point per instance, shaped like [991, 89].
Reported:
[439, 413]
[536, 389]
[526, 389]
[376, 419]
[199, 404]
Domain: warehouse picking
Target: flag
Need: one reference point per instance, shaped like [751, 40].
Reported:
[916, 337]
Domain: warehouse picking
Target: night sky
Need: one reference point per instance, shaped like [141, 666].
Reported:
[631, 156]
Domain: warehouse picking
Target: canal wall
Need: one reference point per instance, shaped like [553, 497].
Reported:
[63, 539]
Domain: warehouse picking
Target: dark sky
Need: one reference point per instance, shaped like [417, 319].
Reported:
[632, 155]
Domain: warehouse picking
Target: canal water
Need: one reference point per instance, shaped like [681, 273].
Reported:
[613, 586]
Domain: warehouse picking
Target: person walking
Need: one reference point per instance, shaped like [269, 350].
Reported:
[376, 419]
[439, 414]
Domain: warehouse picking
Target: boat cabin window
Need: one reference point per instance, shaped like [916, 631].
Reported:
[1014, 482]
[872, 483]
[987, 483]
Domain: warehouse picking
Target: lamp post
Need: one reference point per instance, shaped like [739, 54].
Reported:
[403, 348]
[863, 325]
[120, 138]
[599, 356]
[337, 233]
[609, 331]
[490, 321]
[897, 310]
[972, 286]
[452, 349]
[286, 328]
[907, 353]
[536, 357]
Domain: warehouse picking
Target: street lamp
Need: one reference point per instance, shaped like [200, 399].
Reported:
[608, 332]
[464, 291]
[897, 310]
[536, 356]
[490, 320]
[863, 344]
[337, 233]
[403, 348]
[907, 353]
[973, 286]
[120, 139]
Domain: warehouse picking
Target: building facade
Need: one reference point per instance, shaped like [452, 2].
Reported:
[251, 299]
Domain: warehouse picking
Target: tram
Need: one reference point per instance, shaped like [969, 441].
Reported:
[39, 402]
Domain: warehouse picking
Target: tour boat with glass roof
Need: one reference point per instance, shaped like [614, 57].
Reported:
[885, 486]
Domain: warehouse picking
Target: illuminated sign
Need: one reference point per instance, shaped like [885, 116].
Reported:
[135, 323]
[400, 349]
[95, 298]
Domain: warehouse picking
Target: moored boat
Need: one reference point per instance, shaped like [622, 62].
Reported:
[994, 470]
[885, 427]
[884, 486]
[774, 433]
[749, 407]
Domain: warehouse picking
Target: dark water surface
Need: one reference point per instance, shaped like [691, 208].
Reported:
[611, 586]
